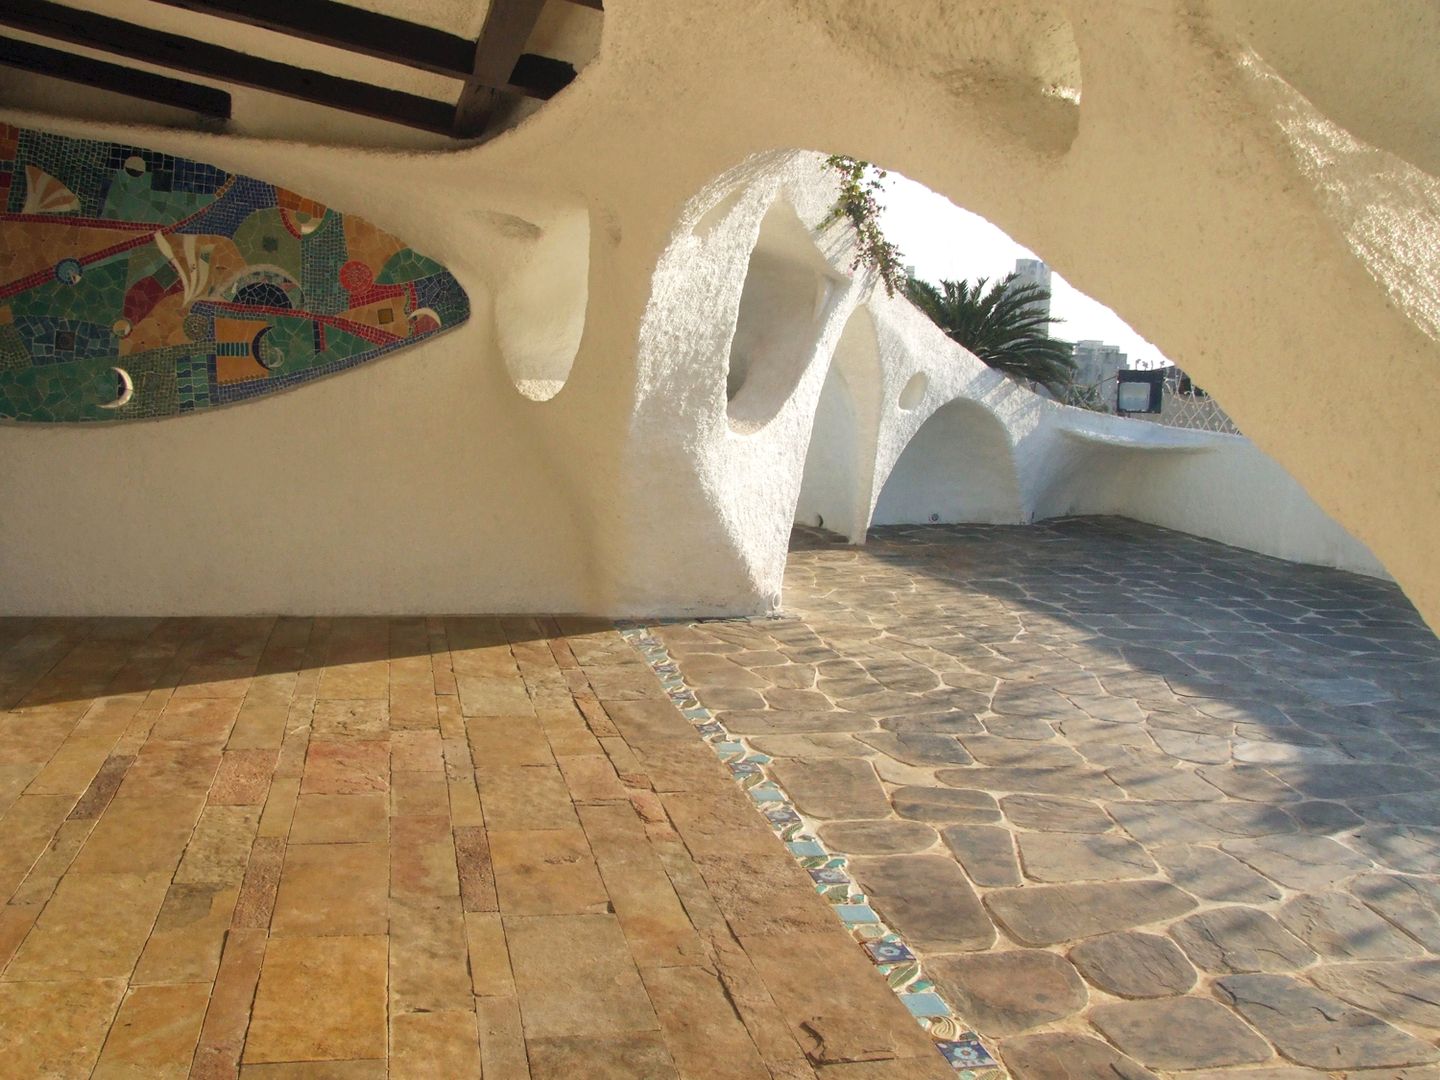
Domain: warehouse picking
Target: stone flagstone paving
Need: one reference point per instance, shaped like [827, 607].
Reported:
[354, 848]
[1143, 805]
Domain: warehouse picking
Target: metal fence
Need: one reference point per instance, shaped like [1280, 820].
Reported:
[1182, 405]
[1198, 411]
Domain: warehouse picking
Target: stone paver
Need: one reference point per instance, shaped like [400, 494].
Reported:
[1240, 939]
[1313, 1028]
[1003, 993]
[927, 899]
[1405, 990]
[878, 837]
[358, 848]
[1179, 1033]
[1052, 914]
[1062, 1056]
[1339, 927]
[1148, 753]
[1059, 857]
[1134, 965]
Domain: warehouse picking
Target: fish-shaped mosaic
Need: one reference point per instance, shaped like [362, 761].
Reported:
[135, 284]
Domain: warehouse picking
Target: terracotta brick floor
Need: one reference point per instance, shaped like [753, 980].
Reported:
[411, 847]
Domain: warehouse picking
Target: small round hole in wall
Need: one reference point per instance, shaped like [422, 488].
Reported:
[914, 390]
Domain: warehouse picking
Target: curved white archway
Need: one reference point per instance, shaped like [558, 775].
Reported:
[839, 461]
[958, 467]
[827, 488]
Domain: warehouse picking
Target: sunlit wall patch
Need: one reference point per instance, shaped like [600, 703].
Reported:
[139, 285]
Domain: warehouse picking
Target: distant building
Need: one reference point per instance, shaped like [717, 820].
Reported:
[1034, 272]
[1095, 366]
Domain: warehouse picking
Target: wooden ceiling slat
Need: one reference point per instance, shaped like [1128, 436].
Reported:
[105, 34]
[145, 85]
[384, 37]
[353, 29]
[508, 25]
[495, 69]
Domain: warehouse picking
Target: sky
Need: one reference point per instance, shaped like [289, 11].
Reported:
[943, 241]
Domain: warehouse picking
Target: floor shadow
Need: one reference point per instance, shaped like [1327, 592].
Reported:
[58, 661]
[1327, 680]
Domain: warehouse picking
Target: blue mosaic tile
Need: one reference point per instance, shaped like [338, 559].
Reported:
[782, 815]
[856, 913]
[925, 1004]
[889, 952]
[966, 1053]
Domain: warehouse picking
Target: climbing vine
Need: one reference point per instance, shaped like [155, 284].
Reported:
[861, 184]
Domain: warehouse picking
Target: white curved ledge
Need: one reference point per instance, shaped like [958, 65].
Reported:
[1155, 437]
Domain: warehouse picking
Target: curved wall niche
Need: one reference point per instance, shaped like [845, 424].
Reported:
[788, 291]
[540, 309]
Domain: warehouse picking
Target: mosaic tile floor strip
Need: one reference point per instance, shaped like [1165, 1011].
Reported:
[135, 284]
[960, 1046]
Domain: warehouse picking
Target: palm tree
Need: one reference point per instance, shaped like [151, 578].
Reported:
[1006, 327]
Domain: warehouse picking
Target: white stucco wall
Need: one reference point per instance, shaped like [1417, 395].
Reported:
[1163, 157]
[1230, 492]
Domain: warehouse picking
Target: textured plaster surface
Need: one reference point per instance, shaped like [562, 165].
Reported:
[1155, 154]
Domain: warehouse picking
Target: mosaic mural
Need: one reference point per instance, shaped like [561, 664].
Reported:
[135, 284]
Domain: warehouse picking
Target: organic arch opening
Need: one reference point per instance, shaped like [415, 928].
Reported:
[788, 289]
[958, 468]
[827, 489]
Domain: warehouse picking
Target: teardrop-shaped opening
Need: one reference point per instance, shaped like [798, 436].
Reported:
[914, 390]
[788, 289]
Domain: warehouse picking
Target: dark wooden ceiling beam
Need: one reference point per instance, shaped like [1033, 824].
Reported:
[145, 85]
[384, 37]
[350, 28]
[140, 43]
[508, 25]
[495, 69]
